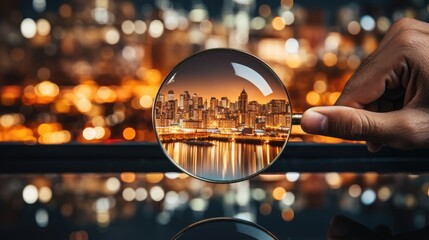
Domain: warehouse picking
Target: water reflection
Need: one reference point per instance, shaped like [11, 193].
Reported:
[225, 161]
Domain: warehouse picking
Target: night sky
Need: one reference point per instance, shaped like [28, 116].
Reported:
[211, 75]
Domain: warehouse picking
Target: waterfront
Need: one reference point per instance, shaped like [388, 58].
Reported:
[224, 161]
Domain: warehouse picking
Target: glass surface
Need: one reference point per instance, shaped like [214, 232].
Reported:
[224, 228]
[292, 206]
[222, 115]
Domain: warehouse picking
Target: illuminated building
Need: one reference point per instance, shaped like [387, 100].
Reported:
[192, 124]
[242, 102]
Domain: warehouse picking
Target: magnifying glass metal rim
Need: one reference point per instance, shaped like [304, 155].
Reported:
[222, 219]
[295, 119]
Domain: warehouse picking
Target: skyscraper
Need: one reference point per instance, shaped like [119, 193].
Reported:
[170, 95]
[242, 102]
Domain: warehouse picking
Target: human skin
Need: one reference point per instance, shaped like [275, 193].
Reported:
[386, 101]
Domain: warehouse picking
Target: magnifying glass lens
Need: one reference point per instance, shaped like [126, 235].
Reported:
[222, 115]
[224, 228]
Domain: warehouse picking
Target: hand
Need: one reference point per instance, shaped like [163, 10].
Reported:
[386, 101]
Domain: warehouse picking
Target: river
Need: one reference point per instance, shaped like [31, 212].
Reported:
[224, 161]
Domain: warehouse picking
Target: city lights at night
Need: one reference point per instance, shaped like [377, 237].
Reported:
[110, 72]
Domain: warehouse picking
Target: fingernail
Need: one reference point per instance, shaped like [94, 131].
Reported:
[314, 122]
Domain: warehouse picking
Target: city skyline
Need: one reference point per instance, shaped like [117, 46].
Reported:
[219, 96]
[192, 111]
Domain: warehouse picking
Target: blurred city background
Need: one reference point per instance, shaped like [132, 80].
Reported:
[88, 71]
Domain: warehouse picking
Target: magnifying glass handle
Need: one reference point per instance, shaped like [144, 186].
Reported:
[296, 118]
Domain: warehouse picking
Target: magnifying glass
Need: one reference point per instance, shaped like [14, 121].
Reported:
[224, 228]
[223, 116]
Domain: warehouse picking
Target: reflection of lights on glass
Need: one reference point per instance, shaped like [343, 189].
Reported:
[332, 42]
[79, 235]
[141, 194]
[156, 29]
[198, 204]
[7, 120]
[30, 194]
[129, 133]
[47, 89]
[65, 10]
[271, 177]
[128, 177]
[207, 192]
[198, 14]
[170, 20]
[353, 28]
[163, 218]
[102, 16]
[320, 86]
[384, 193]
[278, 23]
[171, 200]
[265, 10]
[140, 27]
[102, 204]
[129, 194]
[245, 216]
[146, 101]
[88, 133]
[313, 98]
[154, 177]
[288, 214]
[292, 176]
[183, 197]
[257, 23]
[129, 53]
[252, 76]
[258, 194]
[367, 23]
[172, 175]
[42, 218]
[333, 179]
[113, 184]
[278, 193]
[83, 105]
[45, 194]
[355, 190]
[156, 193]
[28, 28]
[127, 27]
[288, 199]
[265, 209]
[39, 5]
[288, 17]
[383, 24]
[103, 219]
[112, 36]
[43, 27]
[99, 132]
[330, 59]
[353, 61]
[43, 73]
[242, 198]
[410, 201]
[292, 46]
[368, 197]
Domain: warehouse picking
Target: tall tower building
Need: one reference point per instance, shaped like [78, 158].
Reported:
[242, 102]
[170, 95]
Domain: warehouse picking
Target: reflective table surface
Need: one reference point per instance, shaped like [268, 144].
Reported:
[87, 192]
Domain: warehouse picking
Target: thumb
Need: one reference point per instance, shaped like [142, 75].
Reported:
[351, 123]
